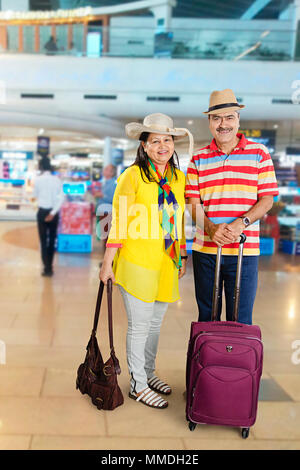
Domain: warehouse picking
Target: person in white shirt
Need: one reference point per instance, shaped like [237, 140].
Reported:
[49, 194]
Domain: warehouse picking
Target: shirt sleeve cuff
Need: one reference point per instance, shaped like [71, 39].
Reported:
[192, 195]
[267, 193]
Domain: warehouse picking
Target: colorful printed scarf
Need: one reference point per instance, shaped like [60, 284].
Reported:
[167, 206]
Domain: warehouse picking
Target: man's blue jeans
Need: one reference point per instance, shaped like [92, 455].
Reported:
[204, 274]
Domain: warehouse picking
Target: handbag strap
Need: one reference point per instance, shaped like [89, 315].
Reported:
[109, 308]
[110, 322]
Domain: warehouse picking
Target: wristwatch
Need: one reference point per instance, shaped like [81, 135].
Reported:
[246, 220]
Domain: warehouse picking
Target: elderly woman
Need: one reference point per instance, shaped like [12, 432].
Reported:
[147, 247]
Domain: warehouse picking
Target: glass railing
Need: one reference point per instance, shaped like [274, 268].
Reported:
[92, 41]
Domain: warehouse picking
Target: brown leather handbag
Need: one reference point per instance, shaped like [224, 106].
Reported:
[94, 377]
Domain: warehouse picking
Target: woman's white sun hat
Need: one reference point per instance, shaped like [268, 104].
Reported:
[158, 123]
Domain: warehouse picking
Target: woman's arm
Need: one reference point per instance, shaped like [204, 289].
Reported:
[106, 271]
[124, 193]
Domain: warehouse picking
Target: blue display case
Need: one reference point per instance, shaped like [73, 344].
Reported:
[74, 243]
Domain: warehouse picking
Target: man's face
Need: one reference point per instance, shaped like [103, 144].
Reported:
[108, 172]
[224, 126]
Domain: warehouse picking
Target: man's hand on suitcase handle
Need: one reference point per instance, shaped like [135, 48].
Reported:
[220, 234]
[236, 228]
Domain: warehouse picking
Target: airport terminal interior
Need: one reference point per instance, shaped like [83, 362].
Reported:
[72, 74]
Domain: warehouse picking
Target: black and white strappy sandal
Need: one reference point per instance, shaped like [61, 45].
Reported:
[159, 386]
[150, 398]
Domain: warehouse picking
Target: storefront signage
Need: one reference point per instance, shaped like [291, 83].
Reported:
[43, 146]
[262, 136]
[45, 15]
[293, 151]
[11, 155]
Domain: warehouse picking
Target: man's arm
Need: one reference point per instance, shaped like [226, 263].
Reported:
[216, 232]
[58, 203]
[263, 205]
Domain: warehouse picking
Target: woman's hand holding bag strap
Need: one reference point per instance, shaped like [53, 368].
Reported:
[94, 377]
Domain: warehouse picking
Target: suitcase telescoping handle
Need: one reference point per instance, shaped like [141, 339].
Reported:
[217, 292]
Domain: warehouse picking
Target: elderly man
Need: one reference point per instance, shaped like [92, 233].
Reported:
[230, 186]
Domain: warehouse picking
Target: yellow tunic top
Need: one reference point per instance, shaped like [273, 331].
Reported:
[141, 266]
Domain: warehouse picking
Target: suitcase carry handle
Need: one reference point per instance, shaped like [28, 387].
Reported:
[216, 293]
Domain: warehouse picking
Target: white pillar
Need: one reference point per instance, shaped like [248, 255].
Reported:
[295, 17]
[16, 5]
[107, 151]
[163, 14]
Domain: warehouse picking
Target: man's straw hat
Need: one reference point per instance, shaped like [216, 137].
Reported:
[158, 123]
[223, 101]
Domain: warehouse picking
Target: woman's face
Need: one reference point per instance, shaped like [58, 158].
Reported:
[160, 148]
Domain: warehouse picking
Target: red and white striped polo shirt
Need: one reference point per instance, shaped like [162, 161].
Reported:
[228, 186]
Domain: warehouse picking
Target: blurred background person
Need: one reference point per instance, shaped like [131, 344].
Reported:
[104, 201]
[49, 194]
[51, 45]
[72, 49]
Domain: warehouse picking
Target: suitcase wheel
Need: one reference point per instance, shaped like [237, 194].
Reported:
[245, 433]
[192, 426]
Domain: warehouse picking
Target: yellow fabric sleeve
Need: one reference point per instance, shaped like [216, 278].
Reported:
[124, 197]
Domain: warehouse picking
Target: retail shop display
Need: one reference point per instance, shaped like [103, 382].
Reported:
[74, 243]
[224, 366]
[75, 227]
[75, 232]
[76, 218]
[267, 246]
[94, 377]
[289, 220]
[16, 185]
[282, 220]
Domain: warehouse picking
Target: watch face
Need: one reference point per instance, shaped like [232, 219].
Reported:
[246, 221]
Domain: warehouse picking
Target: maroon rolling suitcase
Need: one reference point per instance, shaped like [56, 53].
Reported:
[224, 365]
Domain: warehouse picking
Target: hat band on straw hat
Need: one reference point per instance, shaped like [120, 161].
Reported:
[220, 106]
[161, 128]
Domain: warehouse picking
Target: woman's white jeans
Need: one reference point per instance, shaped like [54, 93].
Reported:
[144, 322]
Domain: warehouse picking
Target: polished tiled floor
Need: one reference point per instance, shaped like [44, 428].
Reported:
[45, 325]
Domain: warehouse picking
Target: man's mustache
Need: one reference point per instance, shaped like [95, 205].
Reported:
[224, 129]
